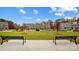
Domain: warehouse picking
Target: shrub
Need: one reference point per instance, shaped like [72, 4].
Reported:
[37, 29]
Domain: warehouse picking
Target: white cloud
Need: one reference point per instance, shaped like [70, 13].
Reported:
[38, 19]
[69, 9]
[60, 11]
[35, 11]
[59, 14]
[22, 11]
[53, 8]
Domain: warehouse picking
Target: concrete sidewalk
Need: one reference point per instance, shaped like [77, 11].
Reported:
[39, 45]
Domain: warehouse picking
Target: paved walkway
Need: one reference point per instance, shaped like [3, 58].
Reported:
[39, 45]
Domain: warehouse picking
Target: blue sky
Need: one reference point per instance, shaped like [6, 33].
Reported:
[22, 15]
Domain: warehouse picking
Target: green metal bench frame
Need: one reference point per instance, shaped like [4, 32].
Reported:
[60, 37]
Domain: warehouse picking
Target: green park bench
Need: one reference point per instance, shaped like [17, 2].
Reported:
[58, 36]
[71, 38]
[13, 35]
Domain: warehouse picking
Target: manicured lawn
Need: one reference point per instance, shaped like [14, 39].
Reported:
[40, 35]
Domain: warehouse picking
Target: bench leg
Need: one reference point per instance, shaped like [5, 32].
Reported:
[23, 41]
[75, 42]
[7, 40]
[55, 41]
[2, 42]
[70, 41]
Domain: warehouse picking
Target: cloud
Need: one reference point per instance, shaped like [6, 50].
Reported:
[22, 11]
[59, 14]
[69, 9]
[38, 19]
[61, 10]
[53, 8]
[35, 11]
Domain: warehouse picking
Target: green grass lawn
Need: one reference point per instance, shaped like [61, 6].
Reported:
[40, 35]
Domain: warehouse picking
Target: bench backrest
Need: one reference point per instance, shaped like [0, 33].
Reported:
[12, 37]
[13, 33]
[66, 37]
